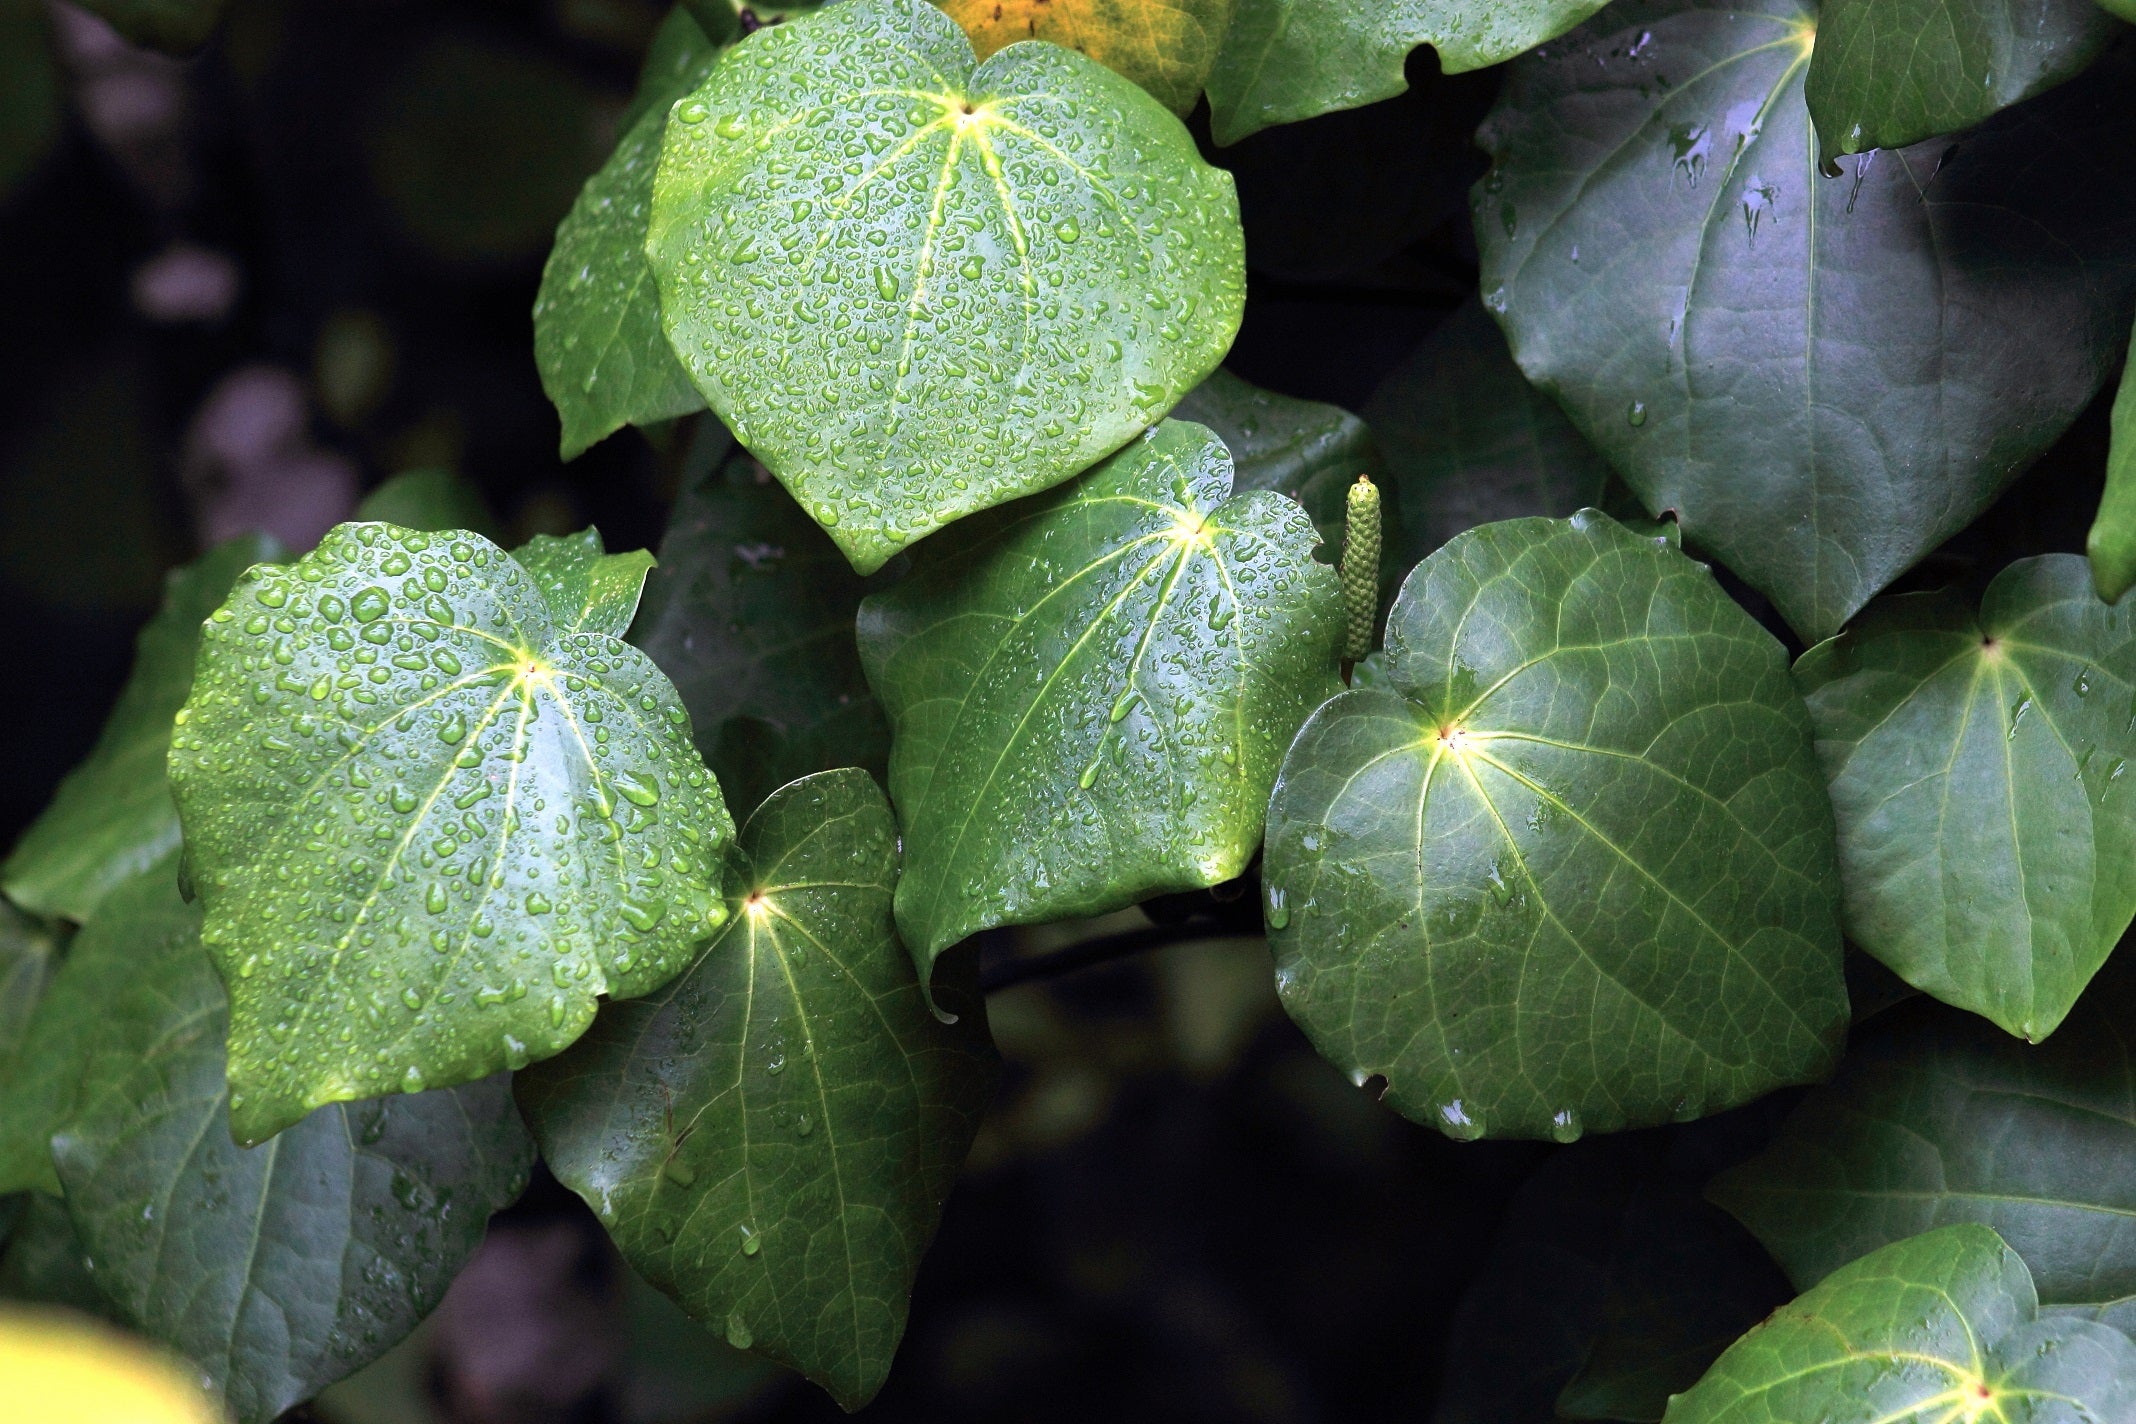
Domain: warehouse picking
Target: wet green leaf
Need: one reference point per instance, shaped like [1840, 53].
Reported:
[1286, 60]
[589, 590]
[1309, 450]
[604, 359]
[431, 825]
[2112, 542]
[1166, 46]
[113, 816]
[1823, 378]
[433, 500]
[1940, 1329]
[1978, 764]
[276, 1270]
[1888, 73]
[770, 1138]
[1573, 871]
[916, 286]
[751, 613]
[44, 1261]
[1089, 692]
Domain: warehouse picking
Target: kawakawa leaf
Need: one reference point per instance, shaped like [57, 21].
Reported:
[1286, 60]
[1940, 1329]
[281, 1269]
[1089, 692]
[1166, 46]
[2112, 542]
[915, 286]
[431, 823]
[588, 589]
[1573, 870]
[1888, 73]
[1309, 450]
[1936, 1118]
[1987, 833]
[751, 613]
[1823, 378]
[112, 816]
[29, 951]
[431, 499]
[770, 1138]
[598, 342]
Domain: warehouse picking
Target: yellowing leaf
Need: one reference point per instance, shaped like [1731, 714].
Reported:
[1166, 46]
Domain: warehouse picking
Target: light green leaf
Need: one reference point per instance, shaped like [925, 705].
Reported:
[279, 1270]
[1823, 378]
[1987, 837]
[2112, 542]
[1309, 450]
[174, 26]
[2126, 9]
[29, 90]
[604, 358]
[1286, 60]
[751, 613]
[137, 920]
[588, 589]
[112, 815]
[770, 1139]
[433, 500]
[29, 951]
[1888, 73]
[1089, 692]
[1573, 871]
[1940, 1329]
[430, 825]
[1166, 46]
[1935, 1118]
[915, 286]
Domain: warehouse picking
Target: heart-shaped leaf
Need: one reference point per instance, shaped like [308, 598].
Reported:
[1286, 60]
[1940, 1329]
[1573, 870]
[1089, 692]
[279, 1270]
[1987, 833]
[770, 1138]
[1309, 450]
[430, 824]
[2112, 542]
[916, 286]
[1888, 73]
[604, 357]
[1166, 46]
[751, 613]
[1823, 378]
[113, 816]
[1935, 1118]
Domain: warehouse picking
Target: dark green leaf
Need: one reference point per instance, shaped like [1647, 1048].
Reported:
[431, 826]
[1286, 60]
[2112, 543]
[604, 358]
[751, 613]
[1824, 379]
[29, 90]
[771, 1138]
[588, 589]
[278, 1270]
[29, 951]
[1574, 870]
[1977, 761]
[1089, 692]
[1936, 1118]
[434, 500]
[175, 26]
[916, 286]
[44, 1261]
[1308, 450]
[1888, 73]
[1467, 440]
[1941, 1329]
[113, 814]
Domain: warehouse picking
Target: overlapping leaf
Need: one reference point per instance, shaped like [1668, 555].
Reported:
[29, 950]
[1573, 870]
[1309, 450]
[431, 499]
[112, 817]
[2112, 542]
[1089, 692]
[1978, 765]
[1166, 46]
[1823, 378]
[915, 285]
[770, 1139]
[1938, 1329]
[430, 824]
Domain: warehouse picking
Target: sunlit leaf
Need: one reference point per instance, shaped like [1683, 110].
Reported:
[1166, 46]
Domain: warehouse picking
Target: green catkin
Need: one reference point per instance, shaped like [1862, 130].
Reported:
[1360, 566]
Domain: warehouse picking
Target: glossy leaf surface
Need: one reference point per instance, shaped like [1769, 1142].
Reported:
[1978, 765]
[1943, 1327]
[770, 1139]
[1309, 450]
[588, 589]
[1573, 870]
[2112, 542]
[280, 1269]
[1166, 46]
[916, 286]
[1286, 60]
[1823, 378]
[1089, 692]
[1888, 73]
[112, 817]
[430, 825]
